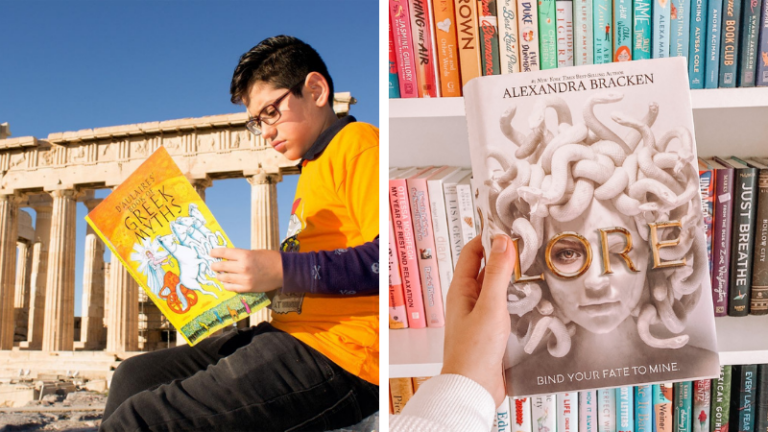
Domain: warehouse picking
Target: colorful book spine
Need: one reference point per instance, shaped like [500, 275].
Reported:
[454, 220]
[528, 25]
[489, 40]
[468, 40]
[406, 252]
[679, 34]
[568, 412]
[521, 415]
[394, 86]
[466, 211]
[707, 192]
[749, 34]
[603, 18]
[761, 408]
[606, 408]
[696, 47]
[759, 290]
[721, 239]
[661, 28]
[729, 45]
[714, 34]
[743, 399]
[422, 45]
[662, 407]
[404, 53]
[702, 397]
[441, 232]
[509, 48]
[625, 409]
[401, 391]
[762, 49]
[582, 32]
[543, 413]
[446, 48]
[547, 34]
[501, 423]
[721, 400]
[683, 406]
[643, 408]
[564, 13]
[397, 315]
[588, 411]
[622, 30]
[418, 381]
[641, 29]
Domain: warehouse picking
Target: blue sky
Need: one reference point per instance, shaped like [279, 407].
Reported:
[73, 65]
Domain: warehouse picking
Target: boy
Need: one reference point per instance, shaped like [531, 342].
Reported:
[315, 366]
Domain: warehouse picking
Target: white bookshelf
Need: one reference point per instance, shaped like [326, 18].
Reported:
[433, 132]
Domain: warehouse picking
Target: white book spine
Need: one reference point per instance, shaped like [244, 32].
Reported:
[454, 221]
[501, 423]
[543, 413]
[528, 26]
[442, 235]
[582, 31]
[588, 411]
[564, 16]
[520, 408]
[466, 212]
[607, 410]
[567, 412]
[509, 49]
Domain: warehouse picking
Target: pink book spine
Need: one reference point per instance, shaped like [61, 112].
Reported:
[425, 250]
[401, 30]
[422, 44]
[397, 314]
[406, 252]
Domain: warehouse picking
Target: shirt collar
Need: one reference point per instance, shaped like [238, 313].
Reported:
[325, 138]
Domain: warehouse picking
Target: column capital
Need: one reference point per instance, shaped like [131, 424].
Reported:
[92, 203]
[41, 202]
[263, 177]
[63, 193]
[202, 182]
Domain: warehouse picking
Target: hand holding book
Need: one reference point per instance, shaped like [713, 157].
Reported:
[244, 271]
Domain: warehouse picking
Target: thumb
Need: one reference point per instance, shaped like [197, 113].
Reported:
[498, 274]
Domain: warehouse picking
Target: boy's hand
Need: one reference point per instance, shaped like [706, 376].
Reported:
[248, 270]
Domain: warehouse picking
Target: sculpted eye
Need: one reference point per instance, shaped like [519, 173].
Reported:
[567, 256]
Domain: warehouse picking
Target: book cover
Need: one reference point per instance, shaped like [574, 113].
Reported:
[440, 227]
[521, 412]
[641, 29]
[567, 412]
[468, 39]
[661, 28]
[683, 406]
[721, 400]
[564, 13]
[721, 235]
[163, 233]
[543, 413]
[662, 407]
[602, 34]
[489, 37]
[680, 19]
[625, 409]
[582, 32]
[759, 291]
[454, 215]
[466, 209]
[404, 49]
[761, 405]
[749, 33]
[509, 47]
[394, 85]
[564, 308]
[707, 191]
[702, 396]
[400, 391]
[744, 385]
[446, 48]
[588, 411]
[622, 30]
[713, 35]
[501, 423]
[398, 317]
[696, 46]
[643, 408]
[761, 77]
[547, 34]
[606, 405]
[421, 33]
[729, 45]
[528, 25]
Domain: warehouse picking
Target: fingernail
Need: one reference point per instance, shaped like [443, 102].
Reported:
[499, 244]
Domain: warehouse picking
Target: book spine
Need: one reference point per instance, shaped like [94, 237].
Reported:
[702, 396]
[401, 391]
[501, 423]
[582, 26]
[467, 213]
[679, 32]
[509, 48]
[404, 54]
[661, 28]
[406, 252]
[762, 61]
[625, 409]
[721, 400]
[641, 29]
[606, 408]
[729, 49]
[446, 48]
[547, 34]
[588, 411]
[761, 407]
[441, 233]
[603, 18]
[744, 207]
[706, 190]
[397, 314]
[433, 46]
[454, 221]
[521, 412]
[543, 410]
[528, 24]
[417, 382]
[683, 405]
[643, 408]
[721, 240]
[749, 34]
[468, 40]
[742, 405]
[696, 47]
[622, 30]
[394, 85]
[489, 40]
[422, 45]
[564, 32]
[759, 291]
[662, 407]
[567, 412]
[714, 33]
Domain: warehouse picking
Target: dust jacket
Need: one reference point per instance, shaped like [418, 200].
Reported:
[163, 232]
[592, 172]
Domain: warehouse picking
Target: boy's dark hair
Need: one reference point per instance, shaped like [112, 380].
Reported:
[281, 61]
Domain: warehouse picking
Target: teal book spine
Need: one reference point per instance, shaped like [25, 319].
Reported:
[582, 33]
[680, 18]
[603, 18]
[714, 27]
[625, 409]
[641, 29]
[394, 85]
[683, 405]
[643, 408]
[661, 28]
[547, 34]
[729, 49]
[749, 32]
[697, 44]
[622, 30]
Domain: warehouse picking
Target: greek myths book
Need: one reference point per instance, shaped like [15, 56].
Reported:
[163, 233]
[592, 171]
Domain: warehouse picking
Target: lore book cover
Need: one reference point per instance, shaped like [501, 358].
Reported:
[163, 233]
[592, 171]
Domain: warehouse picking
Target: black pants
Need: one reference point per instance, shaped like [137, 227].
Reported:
[256, 379]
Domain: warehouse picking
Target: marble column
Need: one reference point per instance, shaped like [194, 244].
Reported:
[43, 207]
[93, 286]
[123, 318]
[59, 322]
[9, 210]
[264, 221]
[21, 297]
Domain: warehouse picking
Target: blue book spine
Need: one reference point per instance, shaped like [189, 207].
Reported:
[696, 48]
[641, 30]
[603, 19]
[625, 409]
[582, 30]
[679, 34]
[661, 28]
[714, 25]
[762, 49]
[606, 408]
[683, 404]
[750, 29]
[622, 30]
[643, 409]
[729, 42]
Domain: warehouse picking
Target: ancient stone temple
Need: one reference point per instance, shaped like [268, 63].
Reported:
[37, 265]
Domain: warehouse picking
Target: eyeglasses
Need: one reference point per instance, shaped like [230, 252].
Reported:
[270, 114]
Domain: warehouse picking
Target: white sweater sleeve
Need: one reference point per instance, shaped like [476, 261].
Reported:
[447, 403]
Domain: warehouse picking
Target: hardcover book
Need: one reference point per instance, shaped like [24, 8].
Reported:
[721, 235]
[697, 43]
[163, 233]
[721, 400]
[761, 76]
[714, 26]
[509, 47]
[749, 34]
[582, 32]
[547, 34]
[729, 45]
[593, 173]
[761, 406]
[564, 33]
[446, 48]
[759, 291]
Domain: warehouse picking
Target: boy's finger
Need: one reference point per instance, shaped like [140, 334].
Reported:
[498, 273]
[227, 267]
[462, 294]
[234, 287]
[234, 278]
[226, 253]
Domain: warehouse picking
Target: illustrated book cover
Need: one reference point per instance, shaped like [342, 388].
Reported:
[592, 171]
[162, 232]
